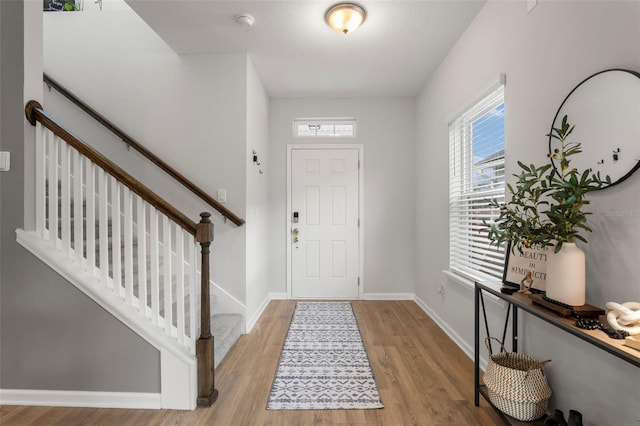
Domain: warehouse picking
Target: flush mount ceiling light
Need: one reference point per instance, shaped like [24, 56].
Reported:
[345, 17]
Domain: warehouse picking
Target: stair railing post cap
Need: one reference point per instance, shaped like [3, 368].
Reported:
[204, 229]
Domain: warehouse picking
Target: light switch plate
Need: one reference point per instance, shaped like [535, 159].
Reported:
[222, 195]
[5, 161]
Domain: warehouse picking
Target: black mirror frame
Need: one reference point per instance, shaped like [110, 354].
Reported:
[634, 168]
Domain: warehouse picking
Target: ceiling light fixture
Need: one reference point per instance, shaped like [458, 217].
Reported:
[345, 18]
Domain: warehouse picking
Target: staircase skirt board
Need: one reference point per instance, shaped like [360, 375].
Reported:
[179, 366]
[178, 377]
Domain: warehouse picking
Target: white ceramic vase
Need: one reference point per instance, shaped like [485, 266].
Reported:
[566, 275]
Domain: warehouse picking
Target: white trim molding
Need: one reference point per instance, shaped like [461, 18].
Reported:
[470, 285]
[271, 296]
[278, 296]
[459, 279]
[458, 340]
[389, 296]
[58, 398]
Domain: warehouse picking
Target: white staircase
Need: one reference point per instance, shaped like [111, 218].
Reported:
[126, 255]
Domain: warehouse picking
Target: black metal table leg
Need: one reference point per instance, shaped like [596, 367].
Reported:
[514, 329]
[476, 376]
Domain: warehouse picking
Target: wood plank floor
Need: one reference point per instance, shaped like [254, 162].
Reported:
[423, 378]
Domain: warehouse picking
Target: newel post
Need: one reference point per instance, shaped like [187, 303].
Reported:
[207, 393]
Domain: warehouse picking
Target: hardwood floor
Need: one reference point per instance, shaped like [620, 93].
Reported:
[423, 378]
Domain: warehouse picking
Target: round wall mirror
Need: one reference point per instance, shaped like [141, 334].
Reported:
[605, 109]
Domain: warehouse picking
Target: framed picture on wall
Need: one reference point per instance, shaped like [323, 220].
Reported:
[526, 270]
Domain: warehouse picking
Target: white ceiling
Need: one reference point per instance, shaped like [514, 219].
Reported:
[297, 55]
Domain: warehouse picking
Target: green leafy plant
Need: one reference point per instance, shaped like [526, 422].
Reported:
[546, 206]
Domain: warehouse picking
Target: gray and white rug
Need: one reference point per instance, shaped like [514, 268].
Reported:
[323, 364]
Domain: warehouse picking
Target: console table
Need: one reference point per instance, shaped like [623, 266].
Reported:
[518, 301]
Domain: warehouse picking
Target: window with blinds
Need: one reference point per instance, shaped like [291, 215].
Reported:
[476, 175]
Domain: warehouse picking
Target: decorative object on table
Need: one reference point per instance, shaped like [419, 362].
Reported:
[526, 283]
[567, 272]
[588, 324]
[507, 290]
[516, 383]
[594, 324]
[625, 316]
[564, 310]
[526, 267]
[546, 210]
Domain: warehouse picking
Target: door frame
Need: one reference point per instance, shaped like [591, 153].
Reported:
[288, 240]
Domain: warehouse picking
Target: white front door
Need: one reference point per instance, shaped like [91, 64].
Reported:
[324, 230]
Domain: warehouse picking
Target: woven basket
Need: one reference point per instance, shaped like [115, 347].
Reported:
[516, 384]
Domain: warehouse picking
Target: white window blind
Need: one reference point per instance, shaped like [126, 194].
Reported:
[476, 174]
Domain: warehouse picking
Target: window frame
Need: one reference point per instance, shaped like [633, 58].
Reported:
[324, 122]
[470, 253]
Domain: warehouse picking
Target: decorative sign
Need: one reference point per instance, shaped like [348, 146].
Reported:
[526, 270]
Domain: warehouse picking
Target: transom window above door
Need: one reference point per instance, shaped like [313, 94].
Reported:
[324, 127]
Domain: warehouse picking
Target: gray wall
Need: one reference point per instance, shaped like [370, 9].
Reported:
[544, 54]
[386, 129]
[257, 226]
[52, 336]
[190, 110]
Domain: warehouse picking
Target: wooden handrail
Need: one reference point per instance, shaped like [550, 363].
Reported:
[144, 151]
[203, 233]
[34, 112]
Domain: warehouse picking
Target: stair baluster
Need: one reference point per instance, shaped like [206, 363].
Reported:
[128, 245]
[78, 234]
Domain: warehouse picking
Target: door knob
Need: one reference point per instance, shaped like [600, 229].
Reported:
[294, 233]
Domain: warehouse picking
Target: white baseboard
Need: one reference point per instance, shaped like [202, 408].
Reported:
[388, 296]
[59, 398]
[279, 296]
[256, 316]
[457, 339]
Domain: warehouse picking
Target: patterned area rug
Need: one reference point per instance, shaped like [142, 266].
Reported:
[323, 364]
